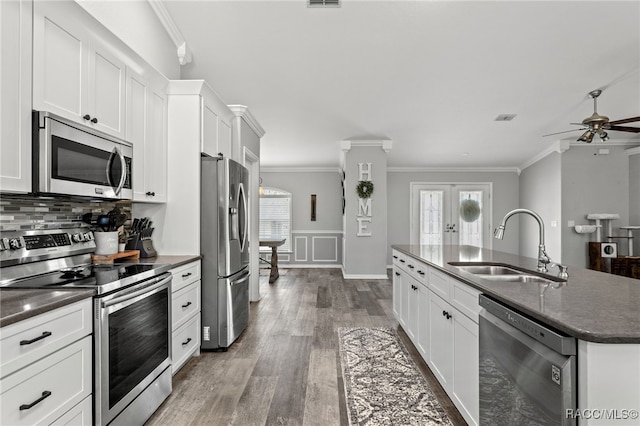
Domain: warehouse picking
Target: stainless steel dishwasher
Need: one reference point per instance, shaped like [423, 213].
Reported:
[527, 370]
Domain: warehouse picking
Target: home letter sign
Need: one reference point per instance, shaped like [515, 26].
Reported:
[364, 204]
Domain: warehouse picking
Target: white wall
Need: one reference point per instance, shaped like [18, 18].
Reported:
[592, 184]
[137, 25]
[505, 198]
[541, 191]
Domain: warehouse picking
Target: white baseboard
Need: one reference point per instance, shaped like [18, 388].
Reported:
[303, 265]
[363, 276]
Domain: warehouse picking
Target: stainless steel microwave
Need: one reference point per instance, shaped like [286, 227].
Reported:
[71, 159]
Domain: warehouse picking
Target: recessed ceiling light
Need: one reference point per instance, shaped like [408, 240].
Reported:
[505, 117]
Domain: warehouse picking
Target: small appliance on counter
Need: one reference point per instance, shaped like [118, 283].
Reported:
[140, 237]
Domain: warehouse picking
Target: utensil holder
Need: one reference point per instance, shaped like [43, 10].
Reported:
[106, 243]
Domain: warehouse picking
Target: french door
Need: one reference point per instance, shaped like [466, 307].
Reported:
[451, 213]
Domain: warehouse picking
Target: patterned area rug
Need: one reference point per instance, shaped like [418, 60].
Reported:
[383, 385]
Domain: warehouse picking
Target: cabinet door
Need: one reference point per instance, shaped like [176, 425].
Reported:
[209, 130]
[137, 99]
[465, 390]
[440, 340]
[156, 157]
[106, 78]
[397, 293]
[60, 59]
[422, 337]
[146, 129]
[15, 98]
[412, 308]
[224, 141]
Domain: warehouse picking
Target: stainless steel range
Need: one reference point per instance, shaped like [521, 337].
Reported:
[132, 315]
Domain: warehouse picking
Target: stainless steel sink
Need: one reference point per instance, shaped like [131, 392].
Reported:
[503, 273]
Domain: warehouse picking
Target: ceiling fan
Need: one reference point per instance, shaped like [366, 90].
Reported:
[599, 124]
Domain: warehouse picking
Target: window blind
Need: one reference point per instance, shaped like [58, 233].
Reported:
[275, 219]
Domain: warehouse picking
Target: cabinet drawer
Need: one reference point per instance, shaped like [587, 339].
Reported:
[185, 341]
[465, 299]
[184, 303]
[48, 332]
[81, 414]
[185, 275]
[439, 283]
[59, 381]
[399, 259]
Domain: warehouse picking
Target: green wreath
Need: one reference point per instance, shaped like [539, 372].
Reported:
[364, 188]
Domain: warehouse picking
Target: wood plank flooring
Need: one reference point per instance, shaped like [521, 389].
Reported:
[285, 367]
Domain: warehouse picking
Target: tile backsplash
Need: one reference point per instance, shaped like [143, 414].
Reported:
[24, 212]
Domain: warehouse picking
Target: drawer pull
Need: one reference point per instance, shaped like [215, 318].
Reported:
[186, 342]
[402, 260]
[186, 305]
[395, 257]
[45, 394]
[187, 275]
[28, 342]
[411, 266]
[397, 274]
[420, 272]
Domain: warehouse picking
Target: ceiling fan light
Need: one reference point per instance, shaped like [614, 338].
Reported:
[604, 136]
[586, 137]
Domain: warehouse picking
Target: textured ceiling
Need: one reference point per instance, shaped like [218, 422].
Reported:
[430, 75]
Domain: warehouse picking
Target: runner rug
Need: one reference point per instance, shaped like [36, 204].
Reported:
[383, 386]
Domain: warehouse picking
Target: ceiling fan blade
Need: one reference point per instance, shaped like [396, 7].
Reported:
[566, 131]
[625, 129]
[626, 120]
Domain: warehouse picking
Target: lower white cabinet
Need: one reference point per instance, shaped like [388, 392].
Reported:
[185, 314]
[46, 368]
[440, 316]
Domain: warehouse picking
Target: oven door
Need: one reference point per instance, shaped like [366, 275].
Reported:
[76, 161]
[132, 344]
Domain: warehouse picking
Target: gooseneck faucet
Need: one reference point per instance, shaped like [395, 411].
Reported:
[543, 259]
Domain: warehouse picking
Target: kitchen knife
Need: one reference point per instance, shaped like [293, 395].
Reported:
[134, 225]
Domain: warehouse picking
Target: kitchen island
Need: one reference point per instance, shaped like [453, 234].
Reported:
[601, 310]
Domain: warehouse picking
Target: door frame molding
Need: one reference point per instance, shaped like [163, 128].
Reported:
[412, 225]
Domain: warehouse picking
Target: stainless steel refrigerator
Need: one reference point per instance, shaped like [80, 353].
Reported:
[224, 245]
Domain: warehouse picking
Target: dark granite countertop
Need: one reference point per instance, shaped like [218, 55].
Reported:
[592, 306]
[20, 304]
[173, 260]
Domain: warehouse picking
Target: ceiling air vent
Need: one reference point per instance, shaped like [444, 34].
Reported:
[323, 3]
[505, 117]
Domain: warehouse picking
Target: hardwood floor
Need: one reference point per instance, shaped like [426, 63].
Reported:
[285, 368]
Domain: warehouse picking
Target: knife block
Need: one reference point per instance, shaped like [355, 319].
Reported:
[144, 245]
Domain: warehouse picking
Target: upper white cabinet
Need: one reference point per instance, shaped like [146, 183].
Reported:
[77, 73]
[15, 96]
[147, 130]
[216, 117]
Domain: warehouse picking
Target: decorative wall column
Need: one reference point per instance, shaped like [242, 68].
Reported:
[364, 166]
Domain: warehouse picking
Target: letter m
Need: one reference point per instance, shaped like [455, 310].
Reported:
[364, 207]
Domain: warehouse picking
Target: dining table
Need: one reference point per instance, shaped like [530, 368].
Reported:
[274, 244]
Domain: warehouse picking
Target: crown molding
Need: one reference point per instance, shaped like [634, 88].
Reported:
[463, 169]
[610, 142]
[243, 112]
[633, 151]
[384, 144]
[182, 50]
[299, 170]
[558, 146]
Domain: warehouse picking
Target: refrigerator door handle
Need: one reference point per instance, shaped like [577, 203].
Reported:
[242, 205]
[245, 276]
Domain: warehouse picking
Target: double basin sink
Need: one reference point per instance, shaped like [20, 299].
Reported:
[504, 273]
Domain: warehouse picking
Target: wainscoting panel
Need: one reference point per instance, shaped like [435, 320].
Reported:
[300, 247]
[312, 249]
[324, 249]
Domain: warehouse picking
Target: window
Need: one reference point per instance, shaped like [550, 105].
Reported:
[275, 216]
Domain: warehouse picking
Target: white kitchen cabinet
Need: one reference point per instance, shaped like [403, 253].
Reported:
[46, 373]
[147, 131]
[216, 117]
[78, 73]
[440, 316]
[185, 314]
[15, 98]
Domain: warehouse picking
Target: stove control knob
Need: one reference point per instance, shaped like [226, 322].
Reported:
[88, 236]
[4, 244]
[78, 238]
[16, 243]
